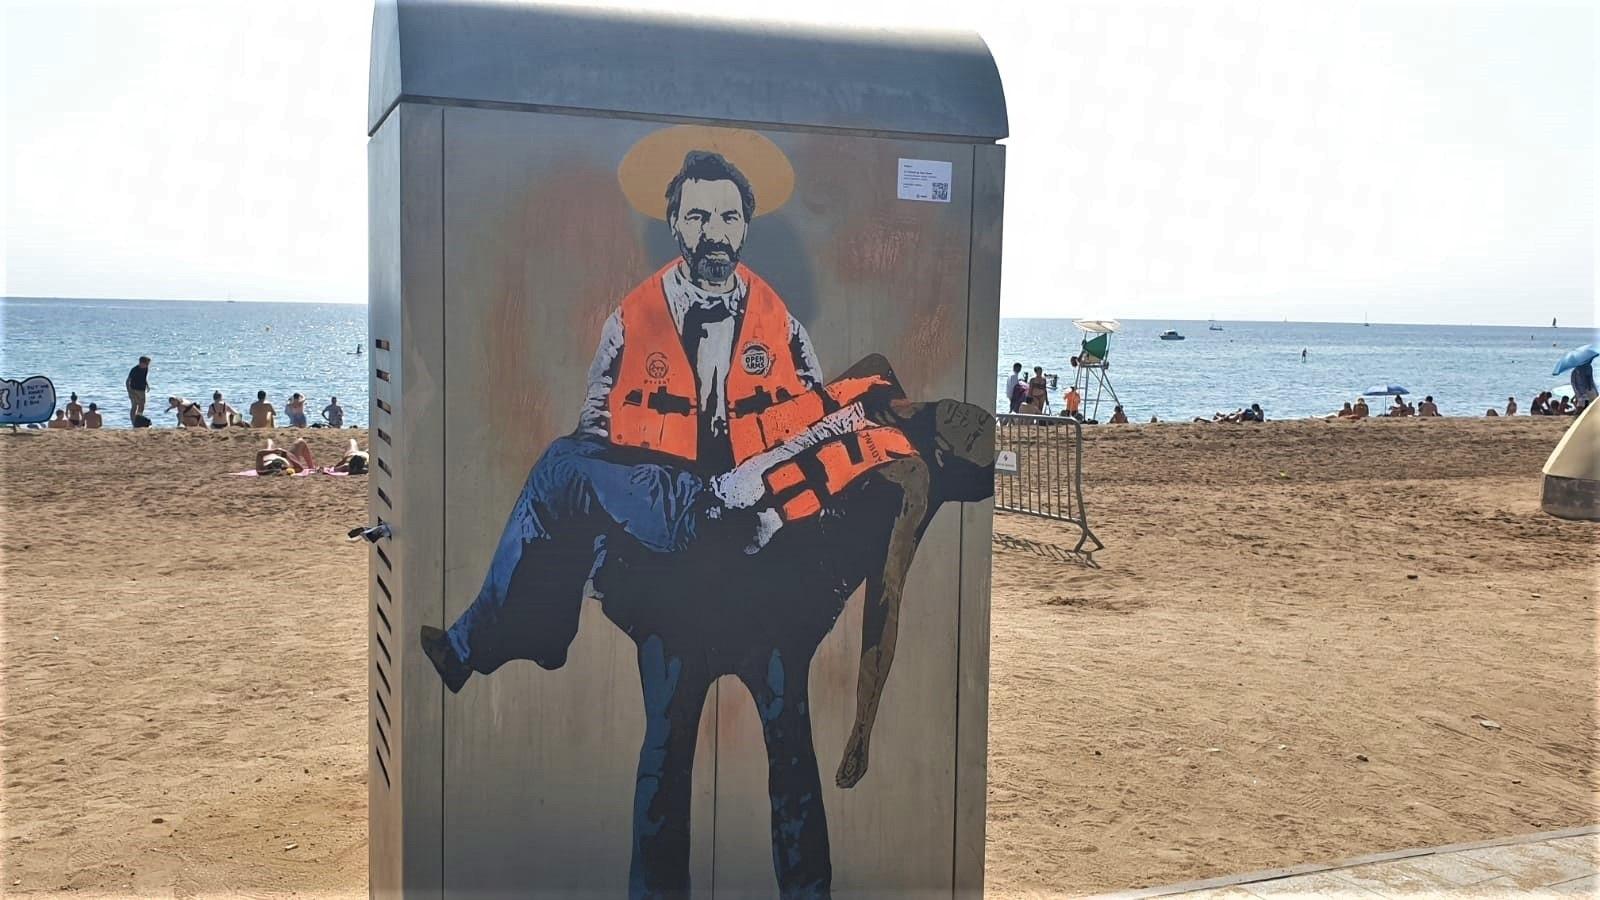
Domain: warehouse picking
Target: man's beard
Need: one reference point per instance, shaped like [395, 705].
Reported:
[705, 269]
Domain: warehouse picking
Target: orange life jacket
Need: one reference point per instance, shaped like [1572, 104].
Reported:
[799, 487]
[655, 402]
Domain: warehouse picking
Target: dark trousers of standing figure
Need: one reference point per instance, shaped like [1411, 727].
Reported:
[674, 688]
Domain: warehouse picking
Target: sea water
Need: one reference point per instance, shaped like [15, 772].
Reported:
[88, 346]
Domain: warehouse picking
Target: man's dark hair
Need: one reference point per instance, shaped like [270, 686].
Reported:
[144, 359]
[261, 395]
[703, 165]
[1016, 367]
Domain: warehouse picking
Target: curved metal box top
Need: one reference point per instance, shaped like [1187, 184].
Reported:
[927, 84]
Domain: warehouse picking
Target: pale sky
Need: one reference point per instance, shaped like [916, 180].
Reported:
[1429, 162]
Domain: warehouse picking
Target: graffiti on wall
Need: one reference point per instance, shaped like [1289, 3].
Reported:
[26, 401]
[723, 498]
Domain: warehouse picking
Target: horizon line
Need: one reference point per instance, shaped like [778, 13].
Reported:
[364, 302]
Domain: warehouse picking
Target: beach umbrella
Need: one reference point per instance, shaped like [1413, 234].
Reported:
[1384, 390]
[1574, 358]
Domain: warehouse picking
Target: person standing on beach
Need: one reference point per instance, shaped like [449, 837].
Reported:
[262, 413]
[1012, 396]
[92, 418]
[75, 412]
[296, 408]
[1511, 406]
[137, 383]
[334, 413]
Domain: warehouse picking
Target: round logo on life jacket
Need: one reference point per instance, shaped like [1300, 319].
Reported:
[655, 365]
[757, 359]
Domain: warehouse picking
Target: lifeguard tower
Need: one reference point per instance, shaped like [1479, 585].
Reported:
[1090, 371]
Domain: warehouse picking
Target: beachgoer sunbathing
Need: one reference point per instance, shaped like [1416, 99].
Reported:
[1540, 405]
[1118, 417]
[354, 460]
[189, 413]
[1490, 413]
[75, 412]
[273, 460]
[1346, 412]
[262, 413]
[60, 421]
[92, 418]
[1427, 408]
[1399, 407]
[1360, 409]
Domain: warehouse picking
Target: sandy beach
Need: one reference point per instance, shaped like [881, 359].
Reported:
[1304, 641]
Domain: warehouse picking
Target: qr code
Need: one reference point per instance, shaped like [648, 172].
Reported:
[941, 190]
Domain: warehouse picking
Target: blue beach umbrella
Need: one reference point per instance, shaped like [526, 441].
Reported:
[1384, 390]
[1574, 358]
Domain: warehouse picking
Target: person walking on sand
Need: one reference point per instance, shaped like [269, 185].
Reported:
[334, 413]
[219, 412]
[296, 409]
[1511, 406]
[137, 383]
[75, 412]
[262, 413]
[92, 418]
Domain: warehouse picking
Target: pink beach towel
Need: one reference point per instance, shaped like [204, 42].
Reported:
[252, 473]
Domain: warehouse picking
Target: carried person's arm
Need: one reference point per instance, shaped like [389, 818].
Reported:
[880, 616]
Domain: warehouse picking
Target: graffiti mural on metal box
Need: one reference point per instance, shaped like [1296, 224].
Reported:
[723, 497]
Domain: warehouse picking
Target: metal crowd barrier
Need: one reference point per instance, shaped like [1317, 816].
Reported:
[1039, 471]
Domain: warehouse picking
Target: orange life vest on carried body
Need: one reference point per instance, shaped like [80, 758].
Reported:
[655, 402]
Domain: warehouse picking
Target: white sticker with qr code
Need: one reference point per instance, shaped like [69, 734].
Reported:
[925, 179]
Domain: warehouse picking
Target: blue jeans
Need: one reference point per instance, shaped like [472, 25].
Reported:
[580, 489]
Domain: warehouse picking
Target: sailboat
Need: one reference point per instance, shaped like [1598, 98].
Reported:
[1213, 326]
[1552, 321]
[1364, 322]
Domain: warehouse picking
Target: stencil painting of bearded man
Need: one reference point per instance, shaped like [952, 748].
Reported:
[723, 501]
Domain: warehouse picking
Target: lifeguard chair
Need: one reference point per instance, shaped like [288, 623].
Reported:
[1090, 375]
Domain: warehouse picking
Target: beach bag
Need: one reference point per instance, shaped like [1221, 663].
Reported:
[141, 422]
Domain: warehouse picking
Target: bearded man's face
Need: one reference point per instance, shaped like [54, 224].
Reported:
[710, 228]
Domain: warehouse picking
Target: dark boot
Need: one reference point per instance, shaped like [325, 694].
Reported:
[451, 669]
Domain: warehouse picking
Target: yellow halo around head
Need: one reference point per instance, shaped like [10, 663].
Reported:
[656, 159]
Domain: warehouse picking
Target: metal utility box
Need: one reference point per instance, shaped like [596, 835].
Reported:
[541, 179]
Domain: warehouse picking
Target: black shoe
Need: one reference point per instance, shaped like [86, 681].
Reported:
[452, 670]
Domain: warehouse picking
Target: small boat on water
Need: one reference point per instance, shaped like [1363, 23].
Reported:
[1170, 335]
[1214, 326]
